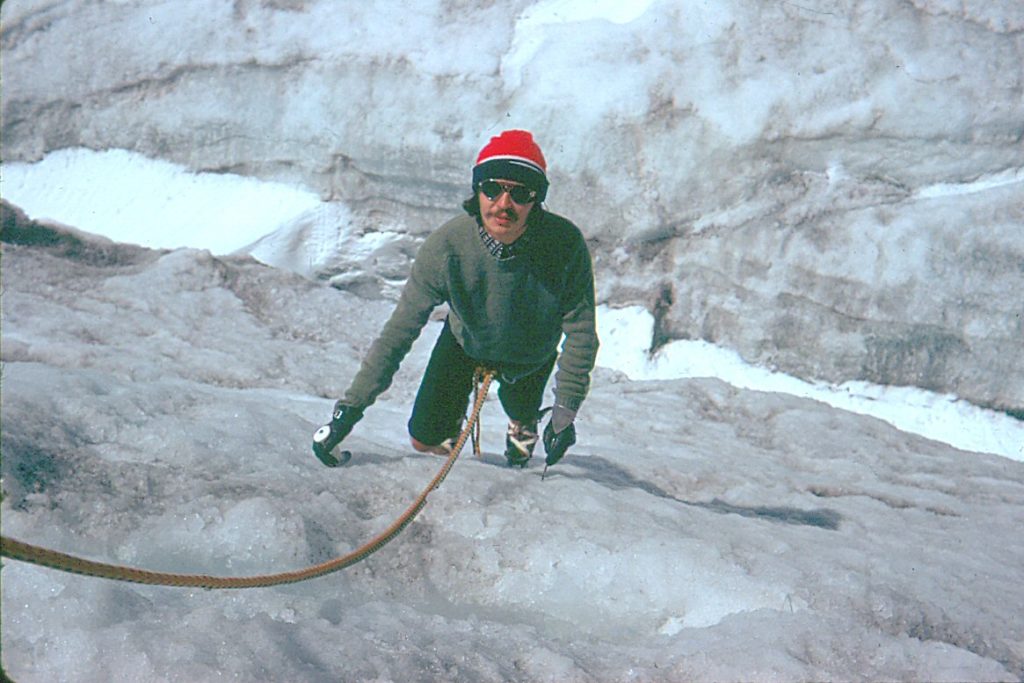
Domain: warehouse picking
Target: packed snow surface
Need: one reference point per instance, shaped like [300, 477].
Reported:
[157, 412]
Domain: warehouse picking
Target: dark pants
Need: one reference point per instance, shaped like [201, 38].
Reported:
[443, 396]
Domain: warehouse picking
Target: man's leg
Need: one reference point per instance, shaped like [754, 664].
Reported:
[521, 400]
[443, 396]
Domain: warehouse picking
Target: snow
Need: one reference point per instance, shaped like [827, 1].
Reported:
[1007, 177]
[130, 198]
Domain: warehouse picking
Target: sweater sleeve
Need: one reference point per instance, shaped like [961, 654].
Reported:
[423, 292]
[579, 325]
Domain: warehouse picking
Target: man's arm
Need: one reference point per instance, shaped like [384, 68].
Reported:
[575, 363]
[423, 292]
[579, 325]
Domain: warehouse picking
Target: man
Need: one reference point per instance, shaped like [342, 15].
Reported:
[516, 278]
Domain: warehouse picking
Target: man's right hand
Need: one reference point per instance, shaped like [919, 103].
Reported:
[327, 438]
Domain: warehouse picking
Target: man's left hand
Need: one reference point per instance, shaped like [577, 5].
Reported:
[559, 434]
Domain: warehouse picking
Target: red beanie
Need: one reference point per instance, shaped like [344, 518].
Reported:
[513, 155]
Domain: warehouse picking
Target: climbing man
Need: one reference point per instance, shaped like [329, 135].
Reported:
[516, 278]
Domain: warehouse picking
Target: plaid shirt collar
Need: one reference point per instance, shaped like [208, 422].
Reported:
[503, 252]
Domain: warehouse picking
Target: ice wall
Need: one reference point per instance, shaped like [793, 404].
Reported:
[157, 408]
[833, 188]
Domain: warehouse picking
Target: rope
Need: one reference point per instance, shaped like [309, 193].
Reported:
[478, 377]
[17, 550]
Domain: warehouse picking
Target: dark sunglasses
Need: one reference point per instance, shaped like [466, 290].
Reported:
[519, 194]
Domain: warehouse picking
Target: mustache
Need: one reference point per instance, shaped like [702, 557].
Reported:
[509, 214]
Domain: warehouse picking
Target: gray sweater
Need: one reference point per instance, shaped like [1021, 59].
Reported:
[509, 313]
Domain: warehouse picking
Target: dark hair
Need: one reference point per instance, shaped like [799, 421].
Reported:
[472, 207]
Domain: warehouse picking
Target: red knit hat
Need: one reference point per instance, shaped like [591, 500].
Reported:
[513, 155]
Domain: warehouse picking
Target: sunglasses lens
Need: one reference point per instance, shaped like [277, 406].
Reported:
[492, 189]
[520, 194]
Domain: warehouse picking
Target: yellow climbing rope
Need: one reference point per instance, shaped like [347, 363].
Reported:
[16, 550]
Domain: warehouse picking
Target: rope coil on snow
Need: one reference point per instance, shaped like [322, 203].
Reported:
[25, 552]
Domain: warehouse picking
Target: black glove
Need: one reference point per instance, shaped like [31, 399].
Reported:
[556, 443]
[330, 435]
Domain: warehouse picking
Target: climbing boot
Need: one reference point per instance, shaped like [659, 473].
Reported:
[520, 439]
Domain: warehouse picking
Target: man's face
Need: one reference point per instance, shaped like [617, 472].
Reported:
[503, 219]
